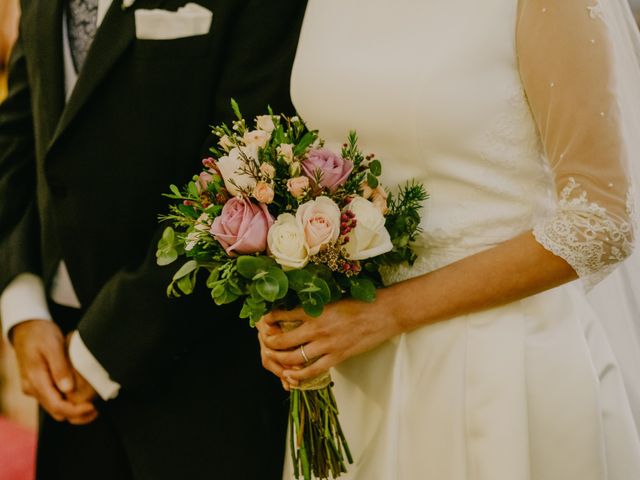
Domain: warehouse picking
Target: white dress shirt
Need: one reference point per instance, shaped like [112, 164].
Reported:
[25, 298]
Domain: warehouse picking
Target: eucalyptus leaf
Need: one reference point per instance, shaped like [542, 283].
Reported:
[372, 181]
[248, 266]
[298, 279]
[268, 288]
[363, 289]
[186, 269]
[313, 309]
[214, 275]
[283, 282]
[375, 167]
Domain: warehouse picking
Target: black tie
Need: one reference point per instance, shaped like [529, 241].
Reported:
[82, 22]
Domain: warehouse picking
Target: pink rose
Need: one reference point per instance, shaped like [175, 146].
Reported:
[332, 169]
[263, 192]
[297, 186]
[242, 226]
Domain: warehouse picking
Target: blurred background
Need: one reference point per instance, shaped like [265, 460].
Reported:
[18, 413]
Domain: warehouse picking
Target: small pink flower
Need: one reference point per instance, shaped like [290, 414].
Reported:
[242, 226]
[263, 192]
[332, 169]
[202, 184]
[297, 186]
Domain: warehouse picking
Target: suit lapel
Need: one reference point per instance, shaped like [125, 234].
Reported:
[112, 38]
[46, 21]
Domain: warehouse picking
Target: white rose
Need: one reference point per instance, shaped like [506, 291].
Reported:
[285, 150]
[233, 169]
[287, 243]
[265, 123]
[320, 220]
[369, 238]
[256, 138]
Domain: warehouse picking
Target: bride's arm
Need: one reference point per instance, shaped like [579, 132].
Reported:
[574, 79]
[512, 270]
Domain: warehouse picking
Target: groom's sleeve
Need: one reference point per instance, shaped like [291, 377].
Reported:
[131, 327]
[19, 224]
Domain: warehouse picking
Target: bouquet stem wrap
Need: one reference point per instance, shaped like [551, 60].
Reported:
[318, 445]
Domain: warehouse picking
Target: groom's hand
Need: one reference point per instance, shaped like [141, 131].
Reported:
[45, 371]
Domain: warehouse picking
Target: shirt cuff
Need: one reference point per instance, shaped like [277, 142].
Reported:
[94, 373]
[24, 299]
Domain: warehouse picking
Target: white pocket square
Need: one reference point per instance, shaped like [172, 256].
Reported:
[188, 21]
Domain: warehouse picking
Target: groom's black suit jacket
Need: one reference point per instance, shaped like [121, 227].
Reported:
[82, 182]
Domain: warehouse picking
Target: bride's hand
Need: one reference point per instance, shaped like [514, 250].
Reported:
[345, 328]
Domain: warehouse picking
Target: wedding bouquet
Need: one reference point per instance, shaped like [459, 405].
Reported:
[277, 220]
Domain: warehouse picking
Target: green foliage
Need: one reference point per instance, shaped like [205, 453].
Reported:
[403, 223]
[169, 248]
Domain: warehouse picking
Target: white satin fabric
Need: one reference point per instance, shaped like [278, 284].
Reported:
[531, 390]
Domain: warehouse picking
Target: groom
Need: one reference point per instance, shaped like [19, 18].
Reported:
[109, 103]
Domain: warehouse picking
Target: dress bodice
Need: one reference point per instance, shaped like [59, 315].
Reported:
[433, 89]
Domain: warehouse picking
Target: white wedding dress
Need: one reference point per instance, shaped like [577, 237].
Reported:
[508, 112]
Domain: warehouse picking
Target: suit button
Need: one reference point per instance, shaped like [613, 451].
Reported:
[58, 190]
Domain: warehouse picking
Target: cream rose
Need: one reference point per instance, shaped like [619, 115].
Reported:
[233, 169]
[297, 186]
[268, 170]
[320, 220]
[286, 242]
[263, 192]
[265, 123]
[285, 150]
[369, 238]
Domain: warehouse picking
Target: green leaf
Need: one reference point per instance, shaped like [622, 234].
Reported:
[249, 266]
[221, 295]
[283, 282]
[372, 181]
[268, 288]
[363, 289]
[214, 275]
[193, 190]
[313, 309]
[298, 279]
[186, 269]
[175, 190]
[304, 142]
[166, 252]
[324, 292]
[375, 167]
[166, 257]
[236, 109]
[186, 284]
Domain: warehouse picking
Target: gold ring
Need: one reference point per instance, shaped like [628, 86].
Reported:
[304, 355]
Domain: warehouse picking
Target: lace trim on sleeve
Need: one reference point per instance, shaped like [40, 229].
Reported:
[585, 235]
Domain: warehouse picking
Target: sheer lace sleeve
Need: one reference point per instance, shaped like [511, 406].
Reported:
[568, 66]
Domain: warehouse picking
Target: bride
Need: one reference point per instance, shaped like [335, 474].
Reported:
[484, 360]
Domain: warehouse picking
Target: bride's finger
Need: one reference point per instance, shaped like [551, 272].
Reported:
[295, 315]
[299, 356]
[320, 366]
[289, 340]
